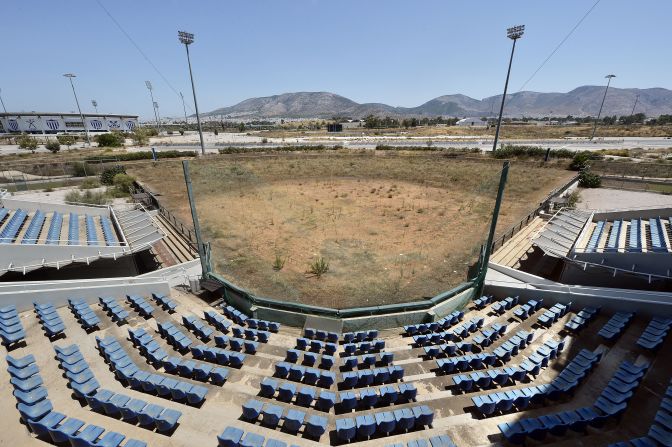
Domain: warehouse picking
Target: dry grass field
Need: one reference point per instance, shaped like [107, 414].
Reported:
[507, 131]
[392, 227]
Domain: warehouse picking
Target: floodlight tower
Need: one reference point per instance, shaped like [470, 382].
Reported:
[608, 77]
[634, 105]
[3, 102]
[94, 103]
[514, 34]
[184, 109]
[187, 39]
[151, 95]
[158, 115]
[86, 130]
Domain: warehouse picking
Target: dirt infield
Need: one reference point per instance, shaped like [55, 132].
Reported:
[392, 228]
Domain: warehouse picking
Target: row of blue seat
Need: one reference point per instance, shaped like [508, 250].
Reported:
[579, 321]
[54, 233]
[444, 323]
[84, 314]
[372, 397]
[11, 329]
[293, 420]
[91, 235]
[114, 309]
[264, 325]
[234, 314]
[500, 307]
[660, 431]
[37, 411]
[490, 334]
[49, 319]
[550, 316]
[174, 336]
[310, 358]
[610, 403]
[595, 236]
[236, 344]
[489, 377]
[197, 327]
[12, 228]
[368, 360]
[363, 347]
[318, 346]
[73, 229]
[434, 441]
[236, 437]
[451, 334]
[80, 377]
[309, 376]
[166, 303]
[127, 371]
[112, 404]
[251, 334]
[319, 334]
[108, 232]
[218, 355]
[524, 311]
[613, 328]
[140, 305]
[34, 228]
[305, 397]
[562, 385]
[217, 320]
[368, 377]
[481, 302]
[383, 423]
[349, 337]
[655, 333]
[4, 212]
[158, 358]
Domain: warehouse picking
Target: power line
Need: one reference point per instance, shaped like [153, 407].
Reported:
[555, 50]
[144, 55]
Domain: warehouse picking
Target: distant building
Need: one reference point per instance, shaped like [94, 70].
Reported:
[472, 122]
[334, 127]
[53, 123]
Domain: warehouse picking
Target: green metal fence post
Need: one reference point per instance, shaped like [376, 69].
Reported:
[194, 216]
[493, 227]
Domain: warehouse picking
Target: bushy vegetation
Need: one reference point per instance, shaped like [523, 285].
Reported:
[27, 142]
[53, 146]
[581, 160]
[88, 197]
[123, 183]
[516, 151]
[589, 180]
[140, 135]
[112, 139]
[108, 174]
[66, 140]
[143, 155]
[89, 183]
[318, 267]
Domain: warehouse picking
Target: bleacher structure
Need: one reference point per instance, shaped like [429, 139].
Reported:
[502, 370]
[36, 235]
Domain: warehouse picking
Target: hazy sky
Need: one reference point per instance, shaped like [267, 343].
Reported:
[403, 53]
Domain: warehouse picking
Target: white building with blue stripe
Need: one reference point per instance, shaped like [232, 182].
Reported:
[54, 123]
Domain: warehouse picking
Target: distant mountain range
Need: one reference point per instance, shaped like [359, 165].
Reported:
[582, 101]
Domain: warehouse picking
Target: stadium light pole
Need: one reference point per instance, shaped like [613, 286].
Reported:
[158, 115]
[72, 84]
[3, 102]
[513, 33]
[634, 105]
[148, 84]
[94, 103]
[184, 109]
[187, 39]
[602, 104]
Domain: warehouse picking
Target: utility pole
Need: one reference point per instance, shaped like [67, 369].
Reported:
[3, 102]
[187, 39]
[602, 105]
[86, 130]
[634, 105]
[184, 109]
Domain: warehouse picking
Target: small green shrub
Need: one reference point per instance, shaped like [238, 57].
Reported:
[88, 197]
[80, 169]
[123, 182]
[112, 139]
[589, 180]
[318, 267]
[279, 263]
[27, 142]
[107, 176]
[53, 146]
[66, 140]
[89, 183]
[580, 160]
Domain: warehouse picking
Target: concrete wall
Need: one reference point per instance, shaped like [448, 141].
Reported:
[27, 205]
[23, 294]
[632, 214]
[35, 256]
